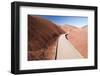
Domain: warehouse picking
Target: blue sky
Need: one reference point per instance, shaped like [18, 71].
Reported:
[71, 20]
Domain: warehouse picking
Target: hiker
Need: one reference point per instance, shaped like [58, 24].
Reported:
[66, 35]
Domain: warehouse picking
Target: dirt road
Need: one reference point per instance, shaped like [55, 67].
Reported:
[66, 50]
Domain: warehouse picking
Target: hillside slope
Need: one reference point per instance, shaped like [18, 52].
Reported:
[42, 35]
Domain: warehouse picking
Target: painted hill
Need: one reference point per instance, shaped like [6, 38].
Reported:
[67, 28]
[84, 27]
[42, 34]
[78, 37]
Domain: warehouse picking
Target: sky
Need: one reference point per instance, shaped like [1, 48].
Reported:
[77, 21]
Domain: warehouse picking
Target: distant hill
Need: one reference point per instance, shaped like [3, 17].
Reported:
[67, 28]
[67, 25]
[41, 34]
[86, 26]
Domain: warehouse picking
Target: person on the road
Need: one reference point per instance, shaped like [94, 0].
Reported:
[66, 35]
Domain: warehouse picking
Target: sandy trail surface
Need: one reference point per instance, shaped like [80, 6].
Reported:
[66, 50]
